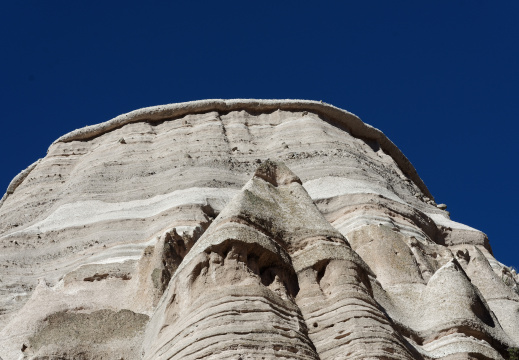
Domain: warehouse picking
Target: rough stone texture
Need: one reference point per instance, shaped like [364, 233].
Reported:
[166, 233]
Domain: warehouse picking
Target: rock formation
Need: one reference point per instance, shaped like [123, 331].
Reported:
[167, 233]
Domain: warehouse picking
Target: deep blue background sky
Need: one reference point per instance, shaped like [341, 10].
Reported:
[440, 80]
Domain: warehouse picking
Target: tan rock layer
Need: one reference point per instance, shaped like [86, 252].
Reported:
[142, 218]
[163, 112]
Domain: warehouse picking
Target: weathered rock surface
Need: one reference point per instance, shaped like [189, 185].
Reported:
[166, 233]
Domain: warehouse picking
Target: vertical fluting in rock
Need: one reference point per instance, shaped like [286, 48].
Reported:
[166, 233]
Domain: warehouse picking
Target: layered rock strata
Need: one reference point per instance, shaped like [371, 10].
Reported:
[166, 234]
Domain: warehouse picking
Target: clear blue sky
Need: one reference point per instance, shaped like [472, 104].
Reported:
[440, 79]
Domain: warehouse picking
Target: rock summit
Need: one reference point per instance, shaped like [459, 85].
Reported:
[242, 229]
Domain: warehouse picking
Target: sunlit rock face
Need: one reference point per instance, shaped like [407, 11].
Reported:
[242, 229]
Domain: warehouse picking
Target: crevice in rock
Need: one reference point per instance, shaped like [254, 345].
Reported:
[267, 266]
[175, 249]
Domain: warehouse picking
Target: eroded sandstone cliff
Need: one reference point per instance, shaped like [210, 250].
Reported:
[166, 233]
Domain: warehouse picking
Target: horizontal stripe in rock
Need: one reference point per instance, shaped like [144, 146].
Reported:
[334, 301]
[236, 312]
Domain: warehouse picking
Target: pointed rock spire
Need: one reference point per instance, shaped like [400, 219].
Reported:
[453, 308]
[237, 284]
[276, 173]
[271, 253]
[275, 203]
